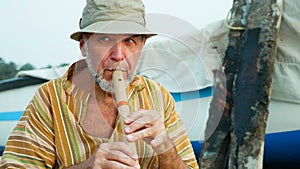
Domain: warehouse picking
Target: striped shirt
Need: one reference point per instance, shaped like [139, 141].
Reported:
[50, 134]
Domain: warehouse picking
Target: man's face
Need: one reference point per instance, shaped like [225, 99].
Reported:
[107, 52]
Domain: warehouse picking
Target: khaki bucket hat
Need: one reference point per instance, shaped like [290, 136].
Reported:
[113, 17]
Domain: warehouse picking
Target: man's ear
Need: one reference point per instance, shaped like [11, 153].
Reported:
[82, 48]
[145, 39]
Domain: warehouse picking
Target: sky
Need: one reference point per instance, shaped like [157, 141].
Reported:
[38, 32]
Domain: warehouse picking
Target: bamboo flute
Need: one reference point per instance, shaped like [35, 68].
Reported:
[122, 103]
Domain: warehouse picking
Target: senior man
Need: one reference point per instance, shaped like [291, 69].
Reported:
[73, 121]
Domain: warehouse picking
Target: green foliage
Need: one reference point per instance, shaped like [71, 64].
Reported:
[63, 64]
[7, 70]
[27, 66]
[47, 67]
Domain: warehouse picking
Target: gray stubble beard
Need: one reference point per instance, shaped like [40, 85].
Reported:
[106, 86]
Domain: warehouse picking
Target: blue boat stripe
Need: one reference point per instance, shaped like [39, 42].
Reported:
[179, 97]
[1, 150]
[10, 116]
[206, 92]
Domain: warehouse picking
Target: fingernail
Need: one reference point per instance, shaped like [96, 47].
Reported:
[130, 137]
[135, 156]
[137, 166]
[126, 120]
[127, 129]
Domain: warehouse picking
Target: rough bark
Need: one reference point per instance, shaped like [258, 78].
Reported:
[248, 67]
[215, 147]
[253, 85]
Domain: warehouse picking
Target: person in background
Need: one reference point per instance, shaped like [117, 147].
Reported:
[73, 121]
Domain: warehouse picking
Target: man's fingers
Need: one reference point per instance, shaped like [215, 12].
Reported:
[121, 157]
[117, 165]
[118, 147]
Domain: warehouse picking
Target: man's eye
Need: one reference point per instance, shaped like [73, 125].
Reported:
[106, 40]
[130, 41]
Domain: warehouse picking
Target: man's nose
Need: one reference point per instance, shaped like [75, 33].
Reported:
[118, 52]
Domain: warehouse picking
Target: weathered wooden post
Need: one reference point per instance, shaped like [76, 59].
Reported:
[248, 67]
[217, 140]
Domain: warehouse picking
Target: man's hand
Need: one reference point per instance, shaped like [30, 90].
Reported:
[148, 125]
[115, 155]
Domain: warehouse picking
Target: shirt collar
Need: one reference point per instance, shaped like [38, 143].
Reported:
[135, 86]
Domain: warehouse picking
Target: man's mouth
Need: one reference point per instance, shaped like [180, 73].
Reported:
[108, 72]
[114, 69]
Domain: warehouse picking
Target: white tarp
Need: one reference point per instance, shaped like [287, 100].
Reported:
[48, 74]
[286, 77]
[186, 63]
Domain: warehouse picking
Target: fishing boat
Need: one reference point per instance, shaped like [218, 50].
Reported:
[184, 65]
[282, 145]
[282, 142]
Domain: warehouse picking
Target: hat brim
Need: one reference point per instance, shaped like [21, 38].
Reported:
[113, 27]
